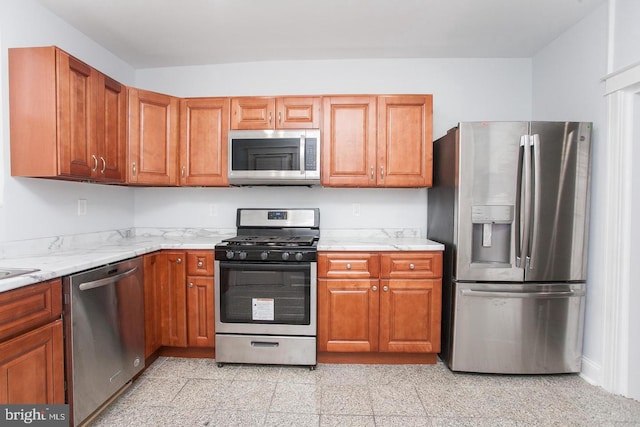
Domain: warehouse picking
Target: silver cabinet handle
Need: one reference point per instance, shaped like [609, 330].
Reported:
[374, 288]
[270, 117]
[279, 117]
[385, 288]
[382, 172]
[104, 164]
[190, 285]
[412, 267]
[179, 260]
[183, 171]
[133, 168]
[95, 163]
[348, 266]
[372, 172]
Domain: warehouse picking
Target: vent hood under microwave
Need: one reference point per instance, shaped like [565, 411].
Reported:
[274, 157]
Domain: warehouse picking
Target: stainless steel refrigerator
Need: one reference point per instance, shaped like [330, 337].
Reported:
[510, 202]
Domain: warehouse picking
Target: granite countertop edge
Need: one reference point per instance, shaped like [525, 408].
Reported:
[58, 263]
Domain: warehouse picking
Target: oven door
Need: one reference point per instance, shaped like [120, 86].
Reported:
[266, 298]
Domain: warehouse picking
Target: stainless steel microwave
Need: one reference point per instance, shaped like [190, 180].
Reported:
[274, 157]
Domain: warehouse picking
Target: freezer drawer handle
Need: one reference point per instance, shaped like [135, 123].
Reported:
[490, 294]
[106, 281]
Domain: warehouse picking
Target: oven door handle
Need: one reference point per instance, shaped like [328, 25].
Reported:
[250, 266]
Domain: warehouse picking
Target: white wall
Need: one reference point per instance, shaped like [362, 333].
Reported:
[626, 34]
[463, 89]
[42, 208]
[567, 86]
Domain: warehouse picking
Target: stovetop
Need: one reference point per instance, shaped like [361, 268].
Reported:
[273, 235]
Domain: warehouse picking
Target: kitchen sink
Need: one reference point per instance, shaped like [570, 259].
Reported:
[6, 273]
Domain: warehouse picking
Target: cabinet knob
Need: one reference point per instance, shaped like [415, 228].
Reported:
[190, 285]
[179, 261]
[412, 267]
[385, 288]
[200, 264]
[374, 288]
[348, 266]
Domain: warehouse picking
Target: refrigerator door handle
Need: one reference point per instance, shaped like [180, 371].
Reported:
[524, 204]
[498, 294]
[536, 201]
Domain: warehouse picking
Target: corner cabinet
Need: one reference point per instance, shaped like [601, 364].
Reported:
[31, 345]
[67, 119]
[153, 138]
[377, 141]
[379, 306]
[293, 112]
[204, 128]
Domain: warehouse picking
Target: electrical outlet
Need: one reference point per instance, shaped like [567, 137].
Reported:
[82, 207]
[356, 209]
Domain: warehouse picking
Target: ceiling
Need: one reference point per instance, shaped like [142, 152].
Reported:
[163, 33]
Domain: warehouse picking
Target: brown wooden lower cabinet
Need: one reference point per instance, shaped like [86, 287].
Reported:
[384, 307]
[179, 306]
[32, 345]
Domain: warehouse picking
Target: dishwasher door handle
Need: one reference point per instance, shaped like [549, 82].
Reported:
[498, 294]
[106, 281]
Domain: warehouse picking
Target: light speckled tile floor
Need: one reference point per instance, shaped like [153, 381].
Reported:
[180, 392]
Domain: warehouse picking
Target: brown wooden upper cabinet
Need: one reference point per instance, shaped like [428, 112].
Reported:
[293, 112]
[67, 119]
[204, 128]
[377, 141]
[153, 138]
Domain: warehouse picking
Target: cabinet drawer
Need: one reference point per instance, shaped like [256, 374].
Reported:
[411, 265]
[25, 308]
[200, 263]
[348, 265]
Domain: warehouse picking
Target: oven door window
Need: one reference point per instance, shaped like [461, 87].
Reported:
[265, 293]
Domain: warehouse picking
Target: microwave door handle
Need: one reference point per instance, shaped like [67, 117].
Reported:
[302, 151]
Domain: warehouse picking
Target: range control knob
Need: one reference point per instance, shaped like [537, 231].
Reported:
[285, 255]
[242, 255]
[229, 254]
[264, 255]
[299, 256]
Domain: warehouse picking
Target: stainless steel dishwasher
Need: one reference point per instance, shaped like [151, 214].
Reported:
[104, 330]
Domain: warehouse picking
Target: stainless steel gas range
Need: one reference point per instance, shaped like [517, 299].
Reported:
[265, 288]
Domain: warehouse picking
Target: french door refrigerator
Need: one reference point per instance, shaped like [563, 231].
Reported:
[510, 202]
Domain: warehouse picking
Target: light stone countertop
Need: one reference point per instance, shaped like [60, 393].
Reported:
[60, 256]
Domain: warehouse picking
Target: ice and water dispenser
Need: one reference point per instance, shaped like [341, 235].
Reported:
[491, 233]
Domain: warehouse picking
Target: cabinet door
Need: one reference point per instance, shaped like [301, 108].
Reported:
[204, 127]
[173, 296]
[32, 367]
[110, 156]
[253, 113]
[200, 306]
[298, 112]
[348, 312]
[76, 133]
[153, 138]
[410, 315]
[405, 141]
[155, 269]
[349, 141]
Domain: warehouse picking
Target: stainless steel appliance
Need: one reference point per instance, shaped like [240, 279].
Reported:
[510, 202]
[265, 288]
[104, 324]
[274, 157]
